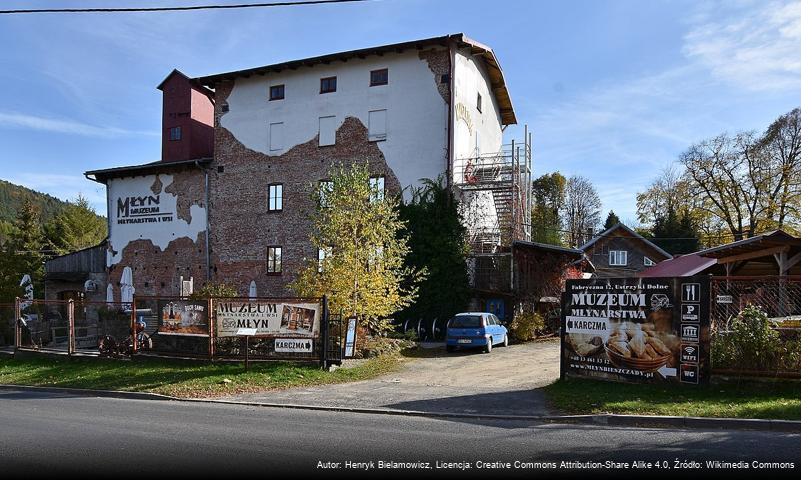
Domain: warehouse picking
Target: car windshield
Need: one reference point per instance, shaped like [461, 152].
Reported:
[466, 321]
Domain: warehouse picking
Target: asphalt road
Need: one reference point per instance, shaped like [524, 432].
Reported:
[42, 434]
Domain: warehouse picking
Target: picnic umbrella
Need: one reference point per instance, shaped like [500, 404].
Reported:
[252, 291]
[110, 293]
[127, 289]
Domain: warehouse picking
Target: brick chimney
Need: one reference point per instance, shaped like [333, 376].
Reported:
[187, 119]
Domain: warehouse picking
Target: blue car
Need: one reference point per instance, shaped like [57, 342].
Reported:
[475, 329]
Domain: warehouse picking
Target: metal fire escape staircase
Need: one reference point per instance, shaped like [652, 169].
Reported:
[495, 191]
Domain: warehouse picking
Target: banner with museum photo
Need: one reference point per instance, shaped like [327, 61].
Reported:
[269, 318]
[639, 330]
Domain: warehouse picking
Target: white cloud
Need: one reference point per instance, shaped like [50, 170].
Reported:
[755, 47]
[33, 122]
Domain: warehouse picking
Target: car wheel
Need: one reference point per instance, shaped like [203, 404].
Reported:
[506, 340]
[450, 348]
[488, 348]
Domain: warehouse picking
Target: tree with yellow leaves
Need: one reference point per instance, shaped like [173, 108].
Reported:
[361, 262]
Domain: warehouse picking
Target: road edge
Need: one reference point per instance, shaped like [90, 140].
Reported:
[612, 420]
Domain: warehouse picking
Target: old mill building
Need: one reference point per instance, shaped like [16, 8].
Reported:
[229, 200]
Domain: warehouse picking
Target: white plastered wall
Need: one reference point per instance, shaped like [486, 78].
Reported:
[151, 225]
[416, 114]
[475, 134]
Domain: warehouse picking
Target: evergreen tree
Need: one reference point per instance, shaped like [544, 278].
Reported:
[676, 233]
[25, 251]
[76, 227]
[437, 244]
[363, 271]
[611, 220]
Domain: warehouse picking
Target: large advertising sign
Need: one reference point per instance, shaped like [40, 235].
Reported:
[642, 330]
[183, 317]
[268, 318]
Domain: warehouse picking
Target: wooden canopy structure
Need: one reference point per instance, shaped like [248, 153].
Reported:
[759, 255]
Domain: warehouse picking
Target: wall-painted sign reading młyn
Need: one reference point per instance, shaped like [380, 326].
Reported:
[651, 330]
[268, 318]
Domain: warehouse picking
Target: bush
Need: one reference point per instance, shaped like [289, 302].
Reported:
[375, 346]
[526, 326]
[751, 344]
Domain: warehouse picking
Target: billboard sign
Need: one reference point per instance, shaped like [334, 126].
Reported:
[183, 317]
[269, 318]
[649, 330]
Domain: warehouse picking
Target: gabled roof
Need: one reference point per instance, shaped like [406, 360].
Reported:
[606, 232]
[101, 176]
[497, 81]
[680, 266]
[775, 238]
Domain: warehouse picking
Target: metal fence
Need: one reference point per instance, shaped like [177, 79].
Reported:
[295, 329]
[759, 354]
[7, 316]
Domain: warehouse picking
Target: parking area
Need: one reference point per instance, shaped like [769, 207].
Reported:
[503, 382]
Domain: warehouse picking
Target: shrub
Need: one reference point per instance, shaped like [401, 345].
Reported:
[750, 344]
[526, 326]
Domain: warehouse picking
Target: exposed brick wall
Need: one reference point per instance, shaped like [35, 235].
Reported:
[158, 273]
[439, 62]
[241, 226]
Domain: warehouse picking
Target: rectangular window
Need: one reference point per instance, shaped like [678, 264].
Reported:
[328, 131]
[273, 259]
[276, 136]
[275, 197]
[618, 258]
[379, 77]
[377, 125]
[478, 103]
[276, 92]
[328, 84]
[376, 188]
[175, 133]
[322, 254]
[326, 187]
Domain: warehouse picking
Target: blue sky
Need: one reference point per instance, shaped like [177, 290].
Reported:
[612, 90]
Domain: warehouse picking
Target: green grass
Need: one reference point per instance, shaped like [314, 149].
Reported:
[770, 400]
[181, 379]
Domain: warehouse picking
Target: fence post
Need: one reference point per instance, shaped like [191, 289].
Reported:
[324, 334]
[133, 323]
[17, 326]
[211, 318]
[71, 329]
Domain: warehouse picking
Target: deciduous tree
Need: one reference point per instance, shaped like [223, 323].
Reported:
[363, 272]
[582, 211]
[548, 192]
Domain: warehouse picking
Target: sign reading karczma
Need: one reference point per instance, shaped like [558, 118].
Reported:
[649, 330]
[268, 318]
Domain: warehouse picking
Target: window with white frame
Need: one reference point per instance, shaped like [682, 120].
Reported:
[648, 262]
[276, 136]
[273, 259]
[376, 188]
[326, 188]
[322, 254]
[275, 197]
[377, 125]
[327, 134]
[618, 258]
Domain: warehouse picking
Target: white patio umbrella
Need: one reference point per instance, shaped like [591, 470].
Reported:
[110, 293]
[28, 284]
[252, 291]
[127, 289]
